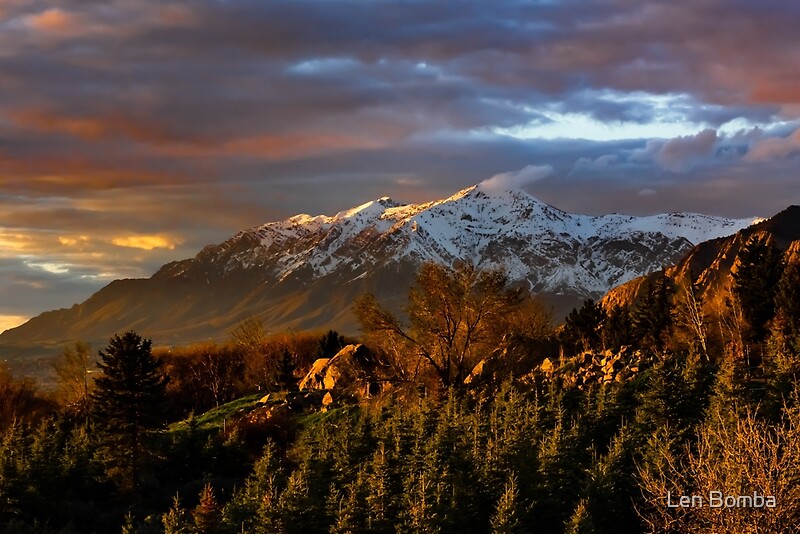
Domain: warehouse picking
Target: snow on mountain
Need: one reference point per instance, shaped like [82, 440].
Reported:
[554, 251]
[306, 271]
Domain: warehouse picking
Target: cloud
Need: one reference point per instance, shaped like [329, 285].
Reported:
[683, 153]
[144, 120]
[147, 242]
[53, 20]
[517, 179]
[771, 148]
[72, 241]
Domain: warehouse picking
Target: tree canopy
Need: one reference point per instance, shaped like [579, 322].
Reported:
[128, 403]
[456, 316]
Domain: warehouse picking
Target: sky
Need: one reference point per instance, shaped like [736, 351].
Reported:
[135, 132]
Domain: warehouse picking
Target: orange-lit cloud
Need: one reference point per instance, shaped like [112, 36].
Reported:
[16, 242]
[159, 141]
[783, 91]
[72, 241]
[89, 127]
[131, 123]
[53, 20]
[271, 147]
[147, 242]
[775, 148]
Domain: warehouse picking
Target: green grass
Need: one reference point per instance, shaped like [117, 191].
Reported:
[214, 418]
[310, 419]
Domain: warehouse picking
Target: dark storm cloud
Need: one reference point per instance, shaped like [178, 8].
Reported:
[153, 127]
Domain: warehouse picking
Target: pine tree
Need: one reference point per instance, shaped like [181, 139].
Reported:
[617, 329]
[127, 405]
[787, 302]
[348, 509]
[379, 498]
[731, 387]
[285, 371]
[582, 327]
[759, 270]
[294, 505]
[329, 344]
[506, 518]
[129, 526]
[653, 317]
[581, 520]
[175, 520]
[207, 513]
[419, 506]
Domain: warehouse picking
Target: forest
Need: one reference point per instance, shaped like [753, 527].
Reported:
[469, 412]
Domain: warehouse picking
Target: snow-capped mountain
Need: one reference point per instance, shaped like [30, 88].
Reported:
[305, 271]
[554, 251]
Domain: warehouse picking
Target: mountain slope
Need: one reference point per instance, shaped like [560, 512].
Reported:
[304, 272]
[710, 264]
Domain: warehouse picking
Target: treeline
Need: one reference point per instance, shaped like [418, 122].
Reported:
[560, 460]
[471, 434]
[96, 449]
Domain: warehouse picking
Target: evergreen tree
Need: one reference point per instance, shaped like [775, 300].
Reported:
[582, 328]
[286, 369]
[506, 518]
[348, 510]
[610, 490]
[653, 317]
[127, 405]
[129, 526]
[419, 506]
[617, 328]
[581, 520]
[759, 270]
[296, 511]
[379, 502]
[175, 520]
[668, 398]
[787, 302]
[329, 344]
[731, 387]
[207, 513]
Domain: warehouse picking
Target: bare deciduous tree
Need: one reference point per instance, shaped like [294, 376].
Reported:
[73, 370]
[737, 457]
[455, 316]
[691, 314]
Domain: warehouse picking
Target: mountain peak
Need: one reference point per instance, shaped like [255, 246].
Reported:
[305, 271]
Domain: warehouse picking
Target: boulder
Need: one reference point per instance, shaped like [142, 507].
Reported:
[316, 376]
[478, 373]
[327, 400]
[353, 368]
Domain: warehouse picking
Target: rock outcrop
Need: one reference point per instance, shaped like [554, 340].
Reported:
[593, 368]
[353, 370]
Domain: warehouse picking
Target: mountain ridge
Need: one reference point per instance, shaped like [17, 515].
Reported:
[303, 272]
